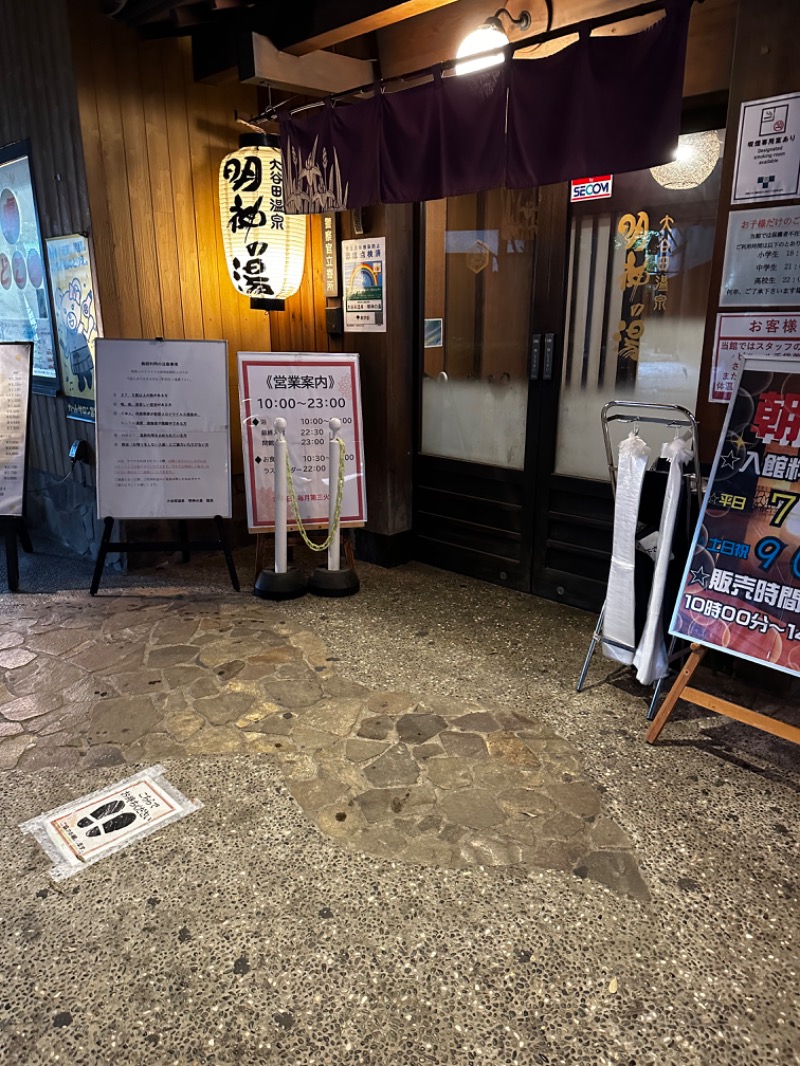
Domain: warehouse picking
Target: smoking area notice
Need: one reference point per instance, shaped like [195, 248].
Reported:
[306, 390]
[768, 150]
[163, 433]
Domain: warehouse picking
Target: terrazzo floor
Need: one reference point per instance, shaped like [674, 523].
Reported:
[661, 927]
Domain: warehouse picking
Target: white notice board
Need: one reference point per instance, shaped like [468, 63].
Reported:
[762, 258]
[16, 361]
[163, 432]
[307, 390]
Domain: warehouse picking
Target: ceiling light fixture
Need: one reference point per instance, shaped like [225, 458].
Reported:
[487, 37]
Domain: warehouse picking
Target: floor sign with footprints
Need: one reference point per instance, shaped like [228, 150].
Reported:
[88, 829]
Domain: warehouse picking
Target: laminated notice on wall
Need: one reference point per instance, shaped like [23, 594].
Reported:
[163, 434]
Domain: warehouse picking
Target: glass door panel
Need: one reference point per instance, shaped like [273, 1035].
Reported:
[637, 291]
[478, 272]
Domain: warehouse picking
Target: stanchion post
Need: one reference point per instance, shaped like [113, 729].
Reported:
[282, 583]
[281, 511]
[332, 580]
[334, 548]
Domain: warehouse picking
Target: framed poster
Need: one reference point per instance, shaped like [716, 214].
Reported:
[364, 279]
[25, 310]
[761, 335]
[307, 390]
[741, 588]
[163, 433]
[16, 362]
[762, 258]
[78, 322]
[768, 150]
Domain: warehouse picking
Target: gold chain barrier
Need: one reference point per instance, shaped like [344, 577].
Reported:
[339, 498]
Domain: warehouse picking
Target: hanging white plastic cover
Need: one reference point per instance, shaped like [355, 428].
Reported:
[651, 655]
[619, 621]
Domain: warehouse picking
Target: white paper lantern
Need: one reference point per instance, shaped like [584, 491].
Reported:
[265, 248]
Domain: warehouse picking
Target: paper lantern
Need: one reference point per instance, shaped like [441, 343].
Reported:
[265, 248]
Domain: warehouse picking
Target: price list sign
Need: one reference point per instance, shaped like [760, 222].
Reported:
[163, 429]
[306, 390]
[15, 386]
[741, 589]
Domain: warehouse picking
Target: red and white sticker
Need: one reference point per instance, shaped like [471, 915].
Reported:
[591, 188]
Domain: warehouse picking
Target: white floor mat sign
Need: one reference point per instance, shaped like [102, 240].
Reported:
[90, 828]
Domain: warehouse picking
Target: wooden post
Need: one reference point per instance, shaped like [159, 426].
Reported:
[674, 694]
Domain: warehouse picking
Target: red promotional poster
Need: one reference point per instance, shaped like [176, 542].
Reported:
[741, 589]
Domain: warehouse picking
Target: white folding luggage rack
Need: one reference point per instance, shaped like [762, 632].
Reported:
[671, 415]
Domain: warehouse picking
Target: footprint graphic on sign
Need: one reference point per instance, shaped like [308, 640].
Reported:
[109, 817]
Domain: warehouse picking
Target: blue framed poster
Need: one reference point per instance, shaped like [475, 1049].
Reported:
[25, 308]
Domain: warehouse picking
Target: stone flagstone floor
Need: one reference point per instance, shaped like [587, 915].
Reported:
[138, 679]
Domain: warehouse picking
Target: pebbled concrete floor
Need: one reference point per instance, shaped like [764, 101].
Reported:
[252, 932]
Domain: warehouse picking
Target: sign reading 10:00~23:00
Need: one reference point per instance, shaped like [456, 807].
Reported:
[306, 391]
[741, 589]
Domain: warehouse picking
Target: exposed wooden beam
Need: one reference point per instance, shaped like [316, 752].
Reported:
[305, 27]
[318, 74]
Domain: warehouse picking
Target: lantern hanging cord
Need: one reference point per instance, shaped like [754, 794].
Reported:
[339, 498]
[587, 26]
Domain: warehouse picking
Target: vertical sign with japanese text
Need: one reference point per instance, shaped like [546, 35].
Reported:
[306, 390]
[741, 589]
[15, 386]
[645, 278]
[364, 278]
[330, 253]
[163, 433]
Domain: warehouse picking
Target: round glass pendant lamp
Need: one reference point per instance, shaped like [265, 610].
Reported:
[489, 35]
[695, 159]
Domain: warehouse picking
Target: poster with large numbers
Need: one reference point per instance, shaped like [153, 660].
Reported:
[163, 432]
[24, 295]
[741, 588]
[15, 387]
[306, 390]
[78, 323]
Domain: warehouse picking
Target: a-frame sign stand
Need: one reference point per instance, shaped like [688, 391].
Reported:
[682, 691]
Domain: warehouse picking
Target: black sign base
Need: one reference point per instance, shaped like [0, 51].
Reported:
[14, 529]
[183, 545]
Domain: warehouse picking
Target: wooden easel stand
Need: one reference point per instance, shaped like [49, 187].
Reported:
[681, 690]
[183, 545]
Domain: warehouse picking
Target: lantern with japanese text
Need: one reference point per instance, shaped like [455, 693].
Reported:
[265, 248]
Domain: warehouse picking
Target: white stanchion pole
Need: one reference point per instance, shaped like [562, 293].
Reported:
[281, 492]
[334, 548]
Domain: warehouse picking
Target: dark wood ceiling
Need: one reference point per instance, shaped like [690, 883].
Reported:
[297, 26]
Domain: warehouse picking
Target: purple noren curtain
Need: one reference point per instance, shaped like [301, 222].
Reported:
[603, 105]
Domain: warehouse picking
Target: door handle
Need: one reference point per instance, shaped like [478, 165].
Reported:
[535, 358]
[549, 356]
